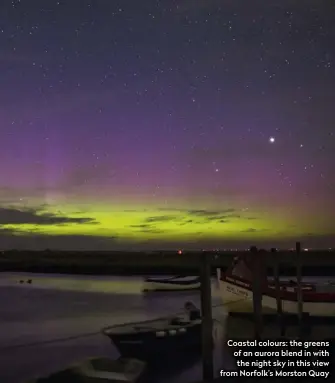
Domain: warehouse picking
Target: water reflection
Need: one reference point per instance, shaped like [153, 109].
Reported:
[59, 307]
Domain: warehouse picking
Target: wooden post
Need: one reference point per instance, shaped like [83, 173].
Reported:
[257, 290]
[299, 290]
[278, 292]
[207, 321]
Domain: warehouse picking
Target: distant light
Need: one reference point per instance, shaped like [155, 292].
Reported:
[180, 252]
[305, 249]
[272, 140]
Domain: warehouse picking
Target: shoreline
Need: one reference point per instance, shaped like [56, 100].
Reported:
[319, 263]
[138, 270]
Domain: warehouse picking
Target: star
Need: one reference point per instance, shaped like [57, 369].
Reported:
[144, 133]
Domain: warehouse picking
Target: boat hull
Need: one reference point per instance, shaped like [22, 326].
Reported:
[171, 284]
[161, 286]
[159, 344]
[239, 299]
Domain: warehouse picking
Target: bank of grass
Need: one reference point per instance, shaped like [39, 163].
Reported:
[98, 263]
[136, 263]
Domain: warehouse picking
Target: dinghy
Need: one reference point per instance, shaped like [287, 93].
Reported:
[236, 292]
[99, 370]
[175, 283]
[158, 338]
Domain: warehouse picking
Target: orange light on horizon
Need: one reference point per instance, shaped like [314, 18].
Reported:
[180, 252]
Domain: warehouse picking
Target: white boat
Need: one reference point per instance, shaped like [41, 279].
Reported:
[236, 291]
[99, 370]
[175, 283]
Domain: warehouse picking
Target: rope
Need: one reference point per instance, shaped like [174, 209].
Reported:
[95, 333]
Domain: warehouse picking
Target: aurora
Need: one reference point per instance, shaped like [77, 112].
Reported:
[151, 127]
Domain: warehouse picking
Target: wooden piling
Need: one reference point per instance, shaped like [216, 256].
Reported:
[257, 290]
[207, 321]
[280, 316]
[299, 290]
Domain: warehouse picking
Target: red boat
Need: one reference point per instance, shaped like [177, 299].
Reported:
[236, 292]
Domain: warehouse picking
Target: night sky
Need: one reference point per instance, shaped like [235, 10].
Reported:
[166, 124]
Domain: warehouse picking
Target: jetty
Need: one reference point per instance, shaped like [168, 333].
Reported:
[256, 325]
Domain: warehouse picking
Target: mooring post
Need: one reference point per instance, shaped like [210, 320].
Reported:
[257, 290]
[299, 290]
[278, 292]
[207, 321]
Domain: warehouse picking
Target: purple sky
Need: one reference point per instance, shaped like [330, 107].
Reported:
[118, 112]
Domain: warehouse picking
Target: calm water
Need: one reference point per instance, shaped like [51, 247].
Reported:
[58, 307]
[72, 310]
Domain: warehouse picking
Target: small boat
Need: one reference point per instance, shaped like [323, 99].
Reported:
[237, 294]
[155, 339]
[175, 283]
[99, 370]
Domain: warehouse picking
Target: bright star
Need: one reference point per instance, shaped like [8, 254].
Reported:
[272, 140]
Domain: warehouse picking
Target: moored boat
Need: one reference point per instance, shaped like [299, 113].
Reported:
[175, 283]
[237, 295]
[157, 338]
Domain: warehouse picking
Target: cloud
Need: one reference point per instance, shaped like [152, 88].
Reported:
[217, 218]
[253, 230]
[210, 213]
[147, 228]
[151, 229]
[250, 230]
[161, 218]
[141, 226]
[11, 239]
[185, 217]
[16, 216]
[195, 216]
[221, 216]
[7, 231]
[186, 222]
